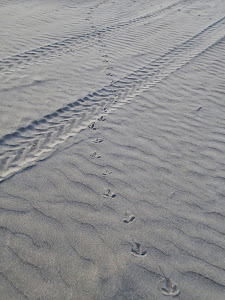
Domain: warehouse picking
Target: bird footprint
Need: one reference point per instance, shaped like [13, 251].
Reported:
[102, 118]
[108, 193]
[169, 289]
[136, 250]
[129, 219]
[95, 155]
[98, 141]
[92, 126]
[105, 108]
[106, 173]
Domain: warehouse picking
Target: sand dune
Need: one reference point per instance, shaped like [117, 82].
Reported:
[112, 150]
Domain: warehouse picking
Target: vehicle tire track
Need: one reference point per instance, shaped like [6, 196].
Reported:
[38, 140]
[74, 43]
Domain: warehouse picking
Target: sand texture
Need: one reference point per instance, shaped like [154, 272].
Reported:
[112, 150]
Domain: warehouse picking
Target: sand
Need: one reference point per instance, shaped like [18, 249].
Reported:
[112, 150]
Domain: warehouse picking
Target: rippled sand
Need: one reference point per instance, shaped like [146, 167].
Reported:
[112, 150]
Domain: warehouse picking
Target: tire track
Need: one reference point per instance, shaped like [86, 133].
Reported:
[74, 43]
[39, 139]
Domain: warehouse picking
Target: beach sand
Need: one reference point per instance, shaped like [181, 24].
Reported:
[112, 150]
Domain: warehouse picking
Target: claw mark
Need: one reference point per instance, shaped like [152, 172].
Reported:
[136, 250]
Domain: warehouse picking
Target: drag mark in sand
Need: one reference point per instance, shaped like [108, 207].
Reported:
[38, 140]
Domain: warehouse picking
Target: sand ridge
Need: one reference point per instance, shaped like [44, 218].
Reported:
[62, 123]
[112, 150]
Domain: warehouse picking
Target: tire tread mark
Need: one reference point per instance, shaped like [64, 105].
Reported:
[70, 44]
[38, 140]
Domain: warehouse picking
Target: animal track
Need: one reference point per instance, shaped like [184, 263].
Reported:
[102, 118]
[167, 287]
[170, 289]
[105, 107]
[106, 173]
[136, 250]
[129, 219]
[53, 129]
[75, 42]
[108, 193]
[94, 155]
[98, 141]
[92, 126]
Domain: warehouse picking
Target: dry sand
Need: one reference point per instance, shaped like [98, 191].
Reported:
[112, 149]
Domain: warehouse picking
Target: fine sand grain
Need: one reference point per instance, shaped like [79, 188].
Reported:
[112, 150]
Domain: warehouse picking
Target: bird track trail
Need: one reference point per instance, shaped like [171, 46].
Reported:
[40, 138]
[74, 43]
